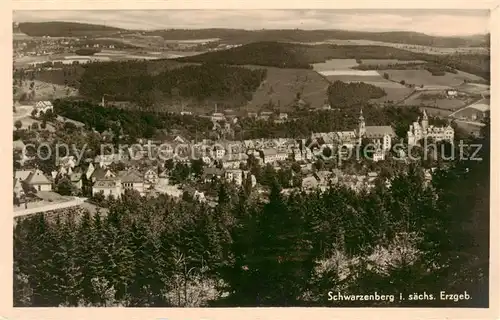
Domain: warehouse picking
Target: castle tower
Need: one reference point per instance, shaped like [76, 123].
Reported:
[362, 124]
[425, 123]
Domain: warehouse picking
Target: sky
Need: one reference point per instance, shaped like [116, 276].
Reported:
[432, 22]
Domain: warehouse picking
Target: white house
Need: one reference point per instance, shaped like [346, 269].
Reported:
[131, 180]
[108, 187]
[43, 106]
[39, 181]
[235, 175]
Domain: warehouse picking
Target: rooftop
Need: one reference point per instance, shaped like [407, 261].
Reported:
[379, 131]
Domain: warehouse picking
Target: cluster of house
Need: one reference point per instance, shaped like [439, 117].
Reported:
[222, 159]
[322, 179]
[420, 130]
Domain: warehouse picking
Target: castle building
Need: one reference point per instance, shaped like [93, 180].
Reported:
[420, 130]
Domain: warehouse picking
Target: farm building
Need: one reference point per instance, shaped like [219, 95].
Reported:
[474, 112]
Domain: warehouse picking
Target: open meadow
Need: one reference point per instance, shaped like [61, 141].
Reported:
[424, 77]
[282, 85]
[436, 99]
[408, 47]
[42, 90]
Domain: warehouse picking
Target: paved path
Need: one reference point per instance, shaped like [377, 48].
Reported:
[67, 204]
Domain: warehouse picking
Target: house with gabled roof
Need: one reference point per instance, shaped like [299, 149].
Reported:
[39, 181]
[132, 180]
[43, 106]
[108, 187]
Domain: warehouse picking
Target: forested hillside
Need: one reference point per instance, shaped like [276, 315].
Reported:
[131, 81]
[343, 94]
[289, 55]
[248, 36]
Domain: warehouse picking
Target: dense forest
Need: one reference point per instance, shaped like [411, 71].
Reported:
[342, 94]
[64, 29]
[405, 237]
[134, 123]
[131, 81]
[248, 36]
[288, 55]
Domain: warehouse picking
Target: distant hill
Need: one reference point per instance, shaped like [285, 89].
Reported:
[307, 36]
[64, 29]
[239, 36]
[289, 55]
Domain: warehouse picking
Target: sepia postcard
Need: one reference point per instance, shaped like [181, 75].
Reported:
[204, 159]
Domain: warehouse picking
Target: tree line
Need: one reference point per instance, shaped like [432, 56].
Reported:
[131, 81]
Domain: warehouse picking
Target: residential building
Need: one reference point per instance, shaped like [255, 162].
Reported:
[131, 180]
[310, 183]
[76, 180]
[39, 181]
[233, 161]
[18, 145]
[269, 155]
[107, 159]
[108, 187]
[217, 116]
[210, 173]
[90, 170]
[235, 175]
[151, 176]
[283, 116]
[43, 106]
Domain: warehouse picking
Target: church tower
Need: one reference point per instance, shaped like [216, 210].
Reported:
[362, 125]
[425, 123]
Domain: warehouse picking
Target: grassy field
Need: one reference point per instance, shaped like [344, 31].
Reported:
[335, 64]
[388, 61]
[412, 48]
[474, 88]
[44, 90]
[436, 112]
[283, 84]
[424, 77]
[436, 99]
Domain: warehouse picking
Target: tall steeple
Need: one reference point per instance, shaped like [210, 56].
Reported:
[362, 125]
[425, 122]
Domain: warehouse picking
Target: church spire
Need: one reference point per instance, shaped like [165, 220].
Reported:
[425, 121]
[362, 125]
